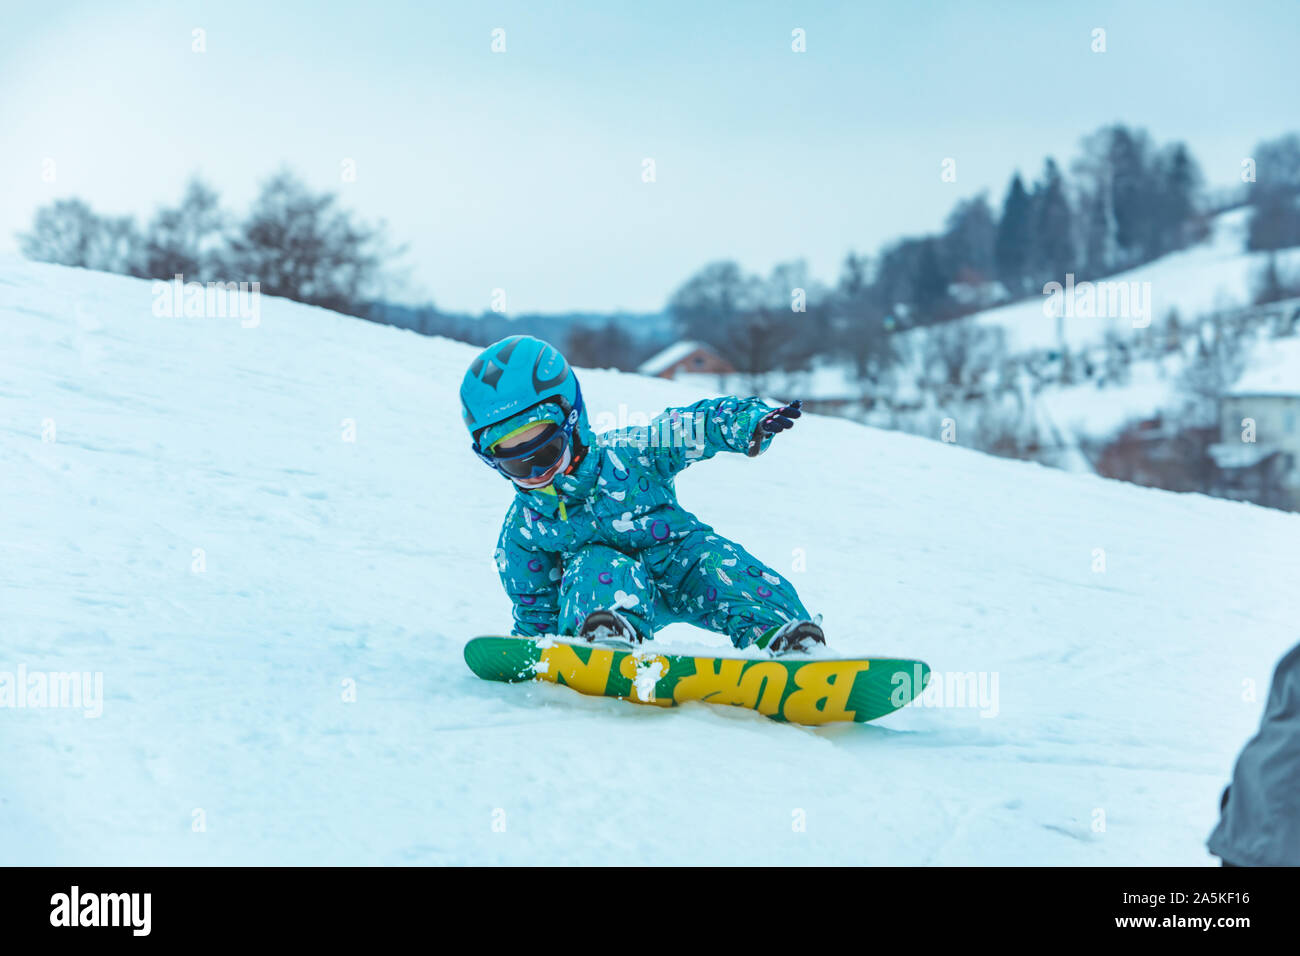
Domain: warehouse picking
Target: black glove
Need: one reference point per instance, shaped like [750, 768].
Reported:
[773, 422]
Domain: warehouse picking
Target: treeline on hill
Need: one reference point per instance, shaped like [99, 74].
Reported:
[304, 246]
[296, 243]
[1125, 202]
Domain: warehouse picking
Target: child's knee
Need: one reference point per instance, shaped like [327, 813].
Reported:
[600, 577]
[598, 564]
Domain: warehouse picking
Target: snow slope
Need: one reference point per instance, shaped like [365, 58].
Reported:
[1215, 274]
[225, 735]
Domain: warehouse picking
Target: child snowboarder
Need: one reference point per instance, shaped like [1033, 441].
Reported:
[595, 543]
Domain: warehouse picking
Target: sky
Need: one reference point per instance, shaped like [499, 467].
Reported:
[523, 170]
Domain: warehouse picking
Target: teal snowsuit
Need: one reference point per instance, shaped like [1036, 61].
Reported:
[611, 535]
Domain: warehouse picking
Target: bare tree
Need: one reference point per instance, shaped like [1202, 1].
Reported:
[706, 304]
[186, 239]
[751, 320]
[1219, 360]
[958, 356]
[301, 245]
[607, 346]
[68, 232]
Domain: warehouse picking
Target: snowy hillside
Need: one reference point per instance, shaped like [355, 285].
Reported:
[129, 442]
[1215, 274]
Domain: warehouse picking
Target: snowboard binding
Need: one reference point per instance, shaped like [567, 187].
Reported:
[606, 626]
[793, 637]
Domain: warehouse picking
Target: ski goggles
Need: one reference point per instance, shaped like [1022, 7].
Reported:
[540, 453]
[535, 457]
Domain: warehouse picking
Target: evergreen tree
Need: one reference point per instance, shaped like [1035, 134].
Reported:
[1132, 192]
[931, 284]
[1053, 254]
[969, 238]
[1179, 182]
[1015, 238]
[1275, 220]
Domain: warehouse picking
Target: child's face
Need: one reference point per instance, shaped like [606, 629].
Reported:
[522, 438]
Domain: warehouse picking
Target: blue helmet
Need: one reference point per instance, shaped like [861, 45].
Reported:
[513, 375]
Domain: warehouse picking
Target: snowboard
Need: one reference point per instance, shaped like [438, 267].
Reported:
[797, 689]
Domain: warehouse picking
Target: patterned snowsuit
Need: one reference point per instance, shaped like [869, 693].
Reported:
[612, 535]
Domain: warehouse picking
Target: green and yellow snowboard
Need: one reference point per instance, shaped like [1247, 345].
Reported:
[800, 690]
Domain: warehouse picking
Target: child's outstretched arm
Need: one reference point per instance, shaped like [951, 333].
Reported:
[681, 436]
[531, 579]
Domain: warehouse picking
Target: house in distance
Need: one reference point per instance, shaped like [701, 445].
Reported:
[687, 357]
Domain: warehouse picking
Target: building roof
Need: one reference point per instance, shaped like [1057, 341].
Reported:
[669, 356]
[1241, 454]
[1274, 370]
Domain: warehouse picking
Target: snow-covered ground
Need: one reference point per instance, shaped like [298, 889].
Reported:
[1093, 411]
[1218, 273]
[128, 441]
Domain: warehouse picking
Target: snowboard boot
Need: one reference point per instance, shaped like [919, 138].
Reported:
[793, 637]
[608, 625]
